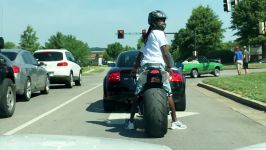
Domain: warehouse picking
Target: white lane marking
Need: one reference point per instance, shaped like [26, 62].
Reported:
[119, 118]
[13, 131]
[260, 146]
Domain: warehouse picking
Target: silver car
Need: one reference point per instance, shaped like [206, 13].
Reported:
[30, 76]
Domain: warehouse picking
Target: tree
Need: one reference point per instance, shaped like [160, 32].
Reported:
[203, 33]
[127, 48]
[55, 41]
[245, 20]
[10, 45]
[113, 50]
[79, 49]
[29, 40]
[139, 43]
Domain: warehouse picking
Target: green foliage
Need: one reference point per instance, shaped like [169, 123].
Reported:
[245, 19]
[114, 49]
[139, 43]
[79, 49]
[203, 33]
[29, 40]
[9, 45]
[251, 85]
[127, 48]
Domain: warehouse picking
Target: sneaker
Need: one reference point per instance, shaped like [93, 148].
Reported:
[129, 125]
[178, 125]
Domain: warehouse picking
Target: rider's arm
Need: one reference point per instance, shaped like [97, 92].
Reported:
[165, 56]
[138, 60]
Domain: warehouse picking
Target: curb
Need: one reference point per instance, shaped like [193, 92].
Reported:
[235, 97]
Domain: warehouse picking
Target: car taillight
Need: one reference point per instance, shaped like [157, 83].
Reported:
[16, 69]
[176, 77]
[62, 64]
[114, 77]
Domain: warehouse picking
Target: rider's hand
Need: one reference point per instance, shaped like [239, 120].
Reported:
[169, 70]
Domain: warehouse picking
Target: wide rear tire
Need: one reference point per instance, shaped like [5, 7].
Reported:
[155, 112]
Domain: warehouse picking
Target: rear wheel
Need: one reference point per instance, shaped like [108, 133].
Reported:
[78, 82]
[27, 90]
[155, 112]
[194, 73]
[8, 98]
[216, 72]
[46, 87]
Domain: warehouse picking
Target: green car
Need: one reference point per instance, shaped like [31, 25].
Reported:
[195, 66]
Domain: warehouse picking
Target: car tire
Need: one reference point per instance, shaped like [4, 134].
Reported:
[181, 105]
[216, 72]
[194, 73]
[8, 98]
[27, 90]
[47, 86]
[78, 82]
[69, 83]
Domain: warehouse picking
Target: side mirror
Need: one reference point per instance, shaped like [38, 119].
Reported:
[41, 64]
[2, 61]
[2, 43]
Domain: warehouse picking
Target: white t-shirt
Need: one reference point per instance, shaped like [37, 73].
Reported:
[152, 50]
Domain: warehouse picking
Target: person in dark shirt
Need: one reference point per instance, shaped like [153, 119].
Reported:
[246, 59]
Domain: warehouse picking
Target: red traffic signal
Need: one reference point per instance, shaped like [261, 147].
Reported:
[120, 34]
[144, 32]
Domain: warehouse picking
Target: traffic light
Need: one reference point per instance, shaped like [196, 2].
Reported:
[120, 34]
[143, 33]
[262, 27]
[227, 6]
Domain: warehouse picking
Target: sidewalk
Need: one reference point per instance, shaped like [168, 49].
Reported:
[238, 98]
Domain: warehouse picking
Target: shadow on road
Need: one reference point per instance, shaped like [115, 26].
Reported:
[97, 107]
[117, 126]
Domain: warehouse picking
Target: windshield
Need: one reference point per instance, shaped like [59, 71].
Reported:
[127, 59]
[48, 56]
[10, 55]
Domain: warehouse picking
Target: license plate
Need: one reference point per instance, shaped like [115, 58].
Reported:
[155, 80]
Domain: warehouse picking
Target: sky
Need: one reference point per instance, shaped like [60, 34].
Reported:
[96, 21]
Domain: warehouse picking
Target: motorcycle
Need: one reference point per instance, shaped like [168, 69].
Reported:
[153, 101]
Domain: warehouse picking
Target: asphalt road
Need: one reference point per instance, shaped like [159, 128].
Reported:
[213, 121]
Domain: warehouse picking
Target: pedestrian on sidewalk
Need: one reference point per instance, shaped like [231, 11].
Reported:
[246, 59]
[238, 59]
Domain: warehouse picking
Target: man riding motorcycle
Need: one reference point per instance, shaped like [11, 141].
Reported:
[154, 53]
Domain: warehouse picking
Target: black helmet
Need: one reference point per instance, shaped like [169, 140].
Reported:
[154, 18]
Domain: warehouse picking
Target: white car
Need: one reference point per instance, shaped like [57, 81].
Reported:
[61, 66]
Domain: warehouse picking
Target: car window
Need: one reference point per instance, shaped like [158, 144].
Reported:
[203, 60]
[10, 55]
[126, 59]
[26, 58]
[32, 59]
[70, 57]
[48, 56]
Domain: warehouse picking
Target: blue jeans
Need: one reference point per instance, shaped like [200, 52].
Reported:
[166, 84]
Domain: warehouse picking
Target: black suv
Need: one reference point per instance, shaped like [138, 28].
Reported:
[7, 87]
